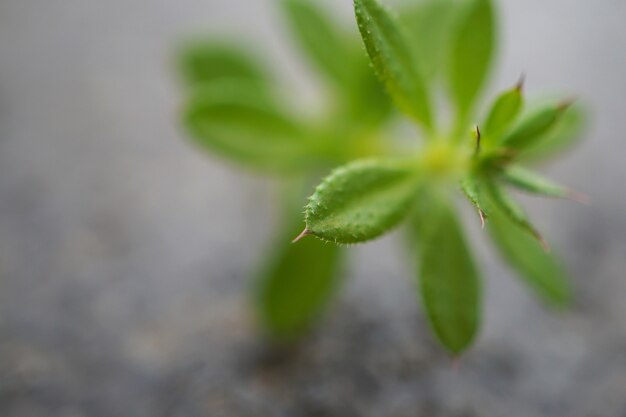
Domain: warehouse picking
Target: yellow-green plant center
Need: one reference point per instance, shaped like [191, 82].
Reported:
[445, 160]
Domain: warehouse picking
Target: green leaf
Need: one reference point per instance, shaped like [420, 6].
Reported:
[235, 120]
[203, 61]
[512, 210]
[368, 102]
[566, 133]
[534, 126]
[341, 59]
[449, 282]
[393, 61]
[540, 270]
[472, 189]
[361, 201]
[472, 51]
[429, 25]
[503, 113]
[534, 183]
[297, 285]
[324, 42]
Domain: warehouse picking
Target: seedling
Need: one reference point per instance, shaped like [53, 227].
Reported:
[418, 53]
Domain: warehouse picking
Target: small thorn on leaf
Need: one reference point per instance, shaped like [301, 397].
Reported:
[565, 104]
[578, 197]
[477, 135]
[544, 244]
[456, 364]
[482, 216]
[520, 83]
[305, 233]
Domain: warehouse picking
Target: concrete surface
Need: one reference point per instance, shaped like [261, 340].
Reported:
[125, 256]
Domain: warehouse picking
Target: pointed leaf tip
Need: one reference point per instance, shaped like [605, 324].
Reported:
[456, 364]
[567, 103]
[473, 191]
[477, 135]
[482, 216]
[567, 132]
[504, 111]
[535, 125]
[521, 82]
[578, 197]
[529, 181]
[305, 233]
[542, 241]
[516, 214]
[362, 200]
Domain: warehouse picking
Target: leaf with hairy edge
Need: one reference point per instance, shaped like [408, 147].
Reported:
[203, 61]
[540, 270]
[393, 61]
[534, 183]
[236, 121]
[449, 282]
[297, 285]
[473, 191]
[361, 201]
[429, 24]
[513, 211]
[326, 44]
[472, 51]
[503, 113]
[566, 133]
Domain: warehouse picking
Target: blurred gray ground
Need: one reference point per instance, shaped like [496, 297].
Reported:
[125, 255]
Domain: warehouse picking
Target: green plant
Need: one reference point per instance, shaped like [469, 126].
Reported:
[232, 110]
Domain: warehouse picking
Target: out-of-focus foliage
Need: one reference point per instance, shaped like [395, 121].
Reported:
[297, 284]
[235, 108]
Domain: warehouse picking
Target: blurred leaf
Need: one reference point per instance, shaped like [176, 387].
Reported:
[393, 61]
[361, 201]
[541, 270]
[324, 42]
[237, 121]
[297, 285]
[534, 126]
[203, 61]
[534, 183]
[449, 282]
[502, 114]
[429, 25]
[512, 210]
[565, 134]
[472, 51]
[473, 191]
[341, 59]
[369, 104]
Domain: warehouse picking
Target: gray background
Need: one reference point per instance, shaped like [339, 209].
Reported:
[125, 256]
